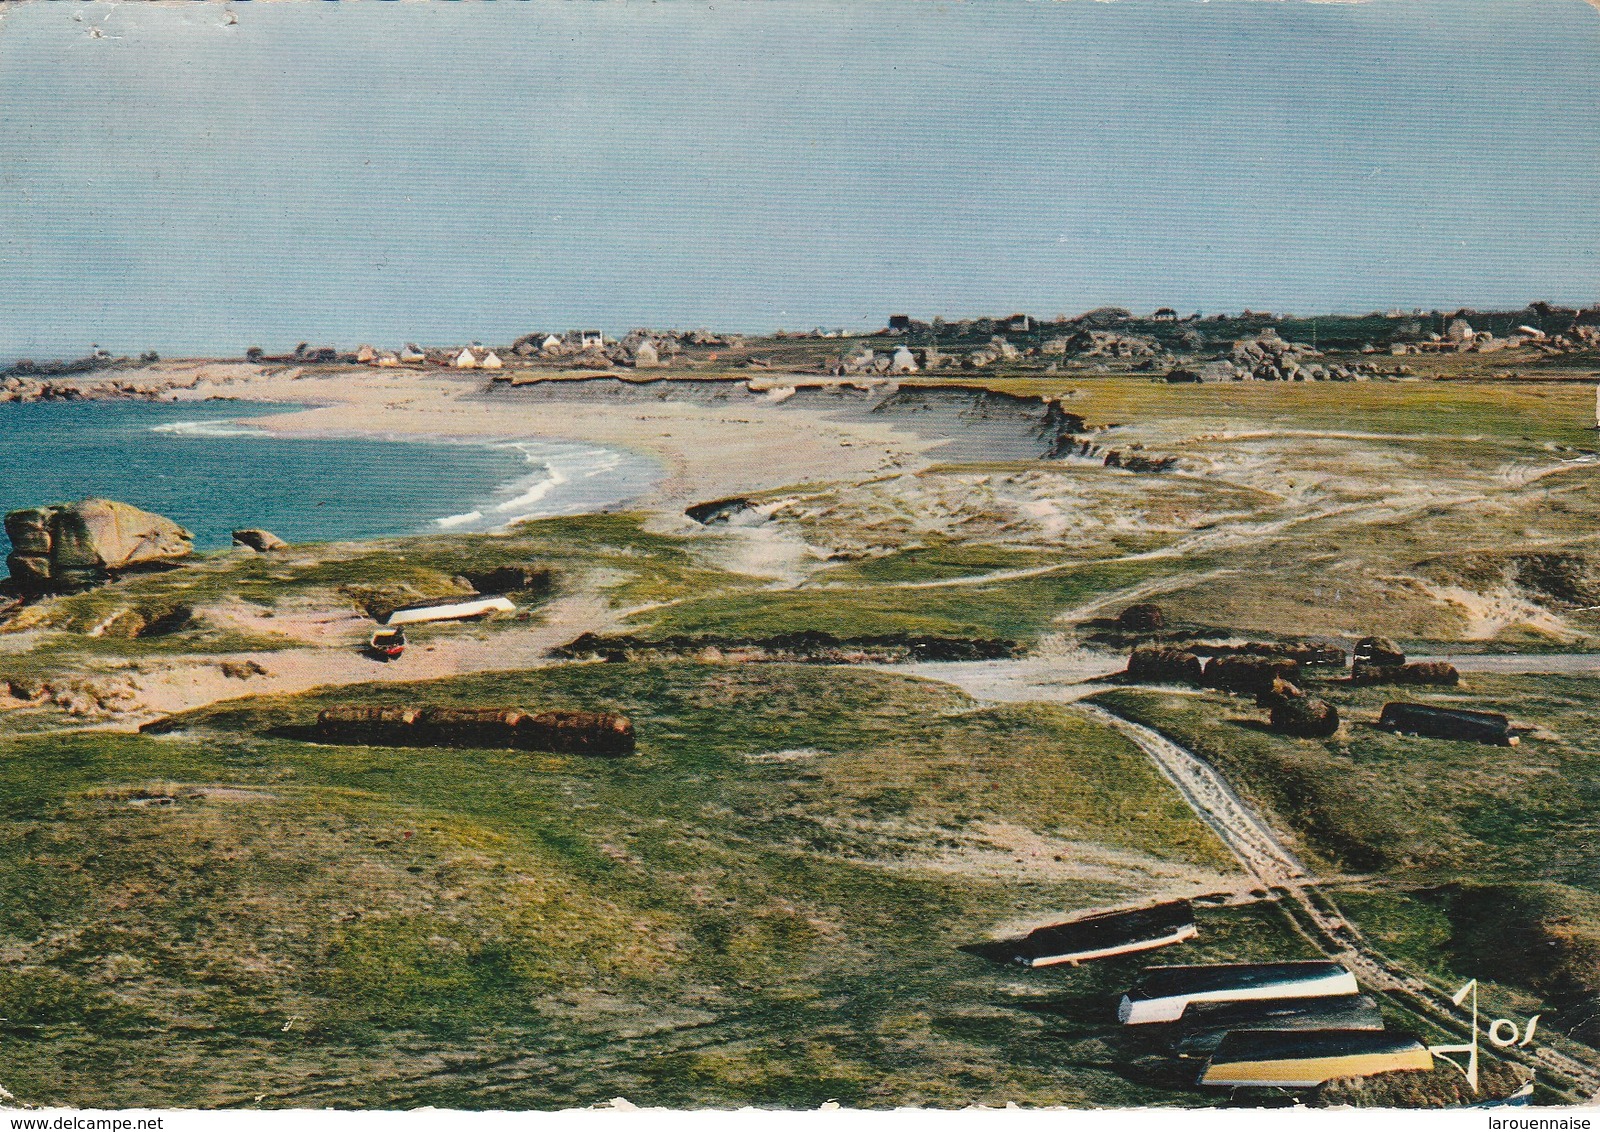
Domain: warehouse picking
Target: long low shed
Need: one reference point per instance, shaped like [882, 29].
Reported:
[1107, 934]
[1163, 993]
[1203, 1025]
[1448, 723]
[1305, 1060]
[576, 732]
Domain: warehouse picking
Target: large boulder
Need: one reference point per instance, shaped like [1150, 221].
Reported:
[73, 546]
[257, 539]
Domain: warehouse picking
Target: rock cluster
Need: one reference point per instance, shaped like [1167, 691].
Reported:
[1288, 369]
[803, 647]
[30, 389]
[1107, 344]
[257, 539]
[74, 546]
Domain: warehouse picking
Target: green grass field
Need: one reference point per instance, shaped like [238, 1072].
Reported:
[763, 906]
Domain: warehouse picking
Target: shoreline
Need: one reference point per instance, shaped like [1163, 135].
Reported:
[703, 451]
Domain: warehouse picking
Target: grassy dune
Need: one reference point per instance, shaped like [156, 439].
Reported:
[1020, 608]
[1495, 851]
[764, 906]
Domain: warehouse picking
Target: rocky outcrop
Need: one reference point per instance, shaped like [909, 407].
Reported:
[1375, 653]
[257, 539]
[516, 578]
[69, 547]
[562, 731]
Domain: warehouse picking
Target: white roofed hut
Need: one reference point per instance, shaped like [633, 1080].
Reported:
[1163, 993]
[412, 354]
[366, 355]
[903, 361]
[490, 360]
[388, 360]
[466, 359]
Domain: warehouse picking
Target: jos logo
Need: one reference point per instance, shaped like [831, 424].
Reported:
[1503, 1033]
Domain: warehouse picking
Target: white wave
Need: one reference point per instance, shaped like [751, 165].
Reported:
[533, 492]
[559, 463]
[210, 429]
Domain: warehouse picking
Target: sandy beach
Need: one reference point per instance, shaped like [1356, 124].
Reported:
[707, 451]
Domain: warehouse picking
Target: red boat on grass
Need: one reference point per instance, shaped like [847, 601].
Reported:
[387, 644]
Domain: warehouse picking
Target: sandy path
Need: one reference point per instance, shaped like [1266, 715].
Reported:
[185, 686]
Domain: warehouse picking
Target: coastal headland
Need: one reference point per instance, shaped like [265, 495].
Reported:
[870, 628]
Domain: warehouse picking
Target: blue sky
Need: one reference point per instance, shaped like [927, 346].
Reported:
[445, 172]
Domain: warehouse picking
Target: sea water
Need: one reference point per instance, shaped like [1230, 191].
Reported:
[207, 467]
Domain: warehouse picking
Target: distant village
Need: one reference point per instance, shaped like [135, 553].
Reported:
[1251, 345]
[1248, 346]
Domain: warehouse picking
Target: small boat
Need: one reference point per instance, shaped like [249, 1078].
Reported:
[1304, 1060]
[387, 644]
[464, 610]
[1106, 934]
[1204, 1024]
[1163, 993]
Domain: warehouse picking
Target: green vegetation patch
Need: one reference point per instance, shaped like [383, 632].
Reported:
[1534, 947]
[765, 905]
[1019, 608]
[1424, 809]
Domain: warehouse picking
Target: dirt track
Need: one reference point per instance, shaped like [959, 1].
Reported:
[1265, 856]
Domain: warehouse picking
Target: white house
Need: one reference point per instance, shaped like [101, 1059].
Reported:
[490, 360]
[412, 354]
[466, 359]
